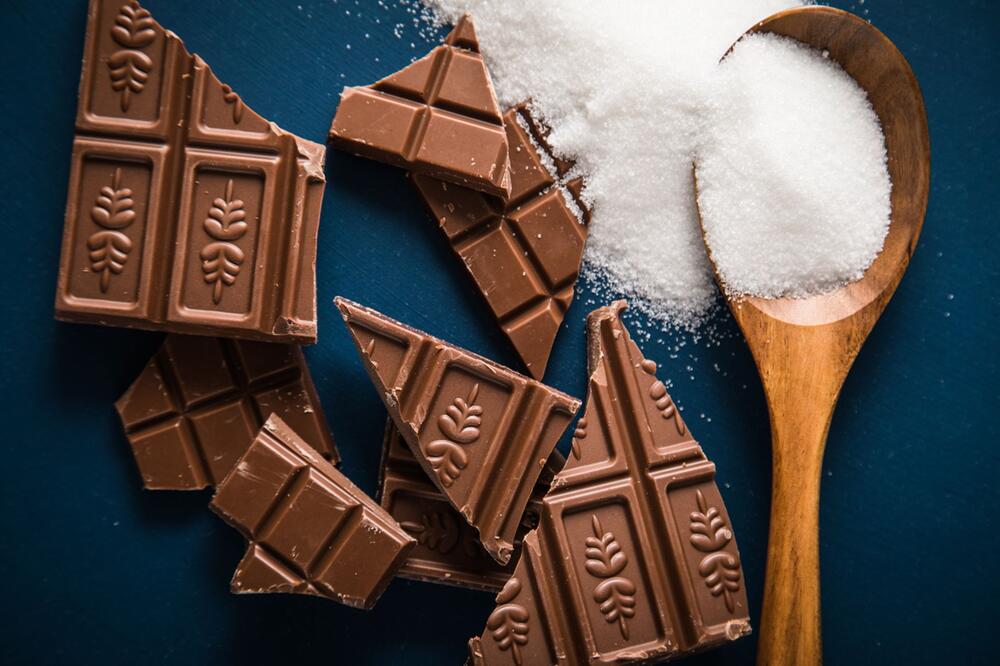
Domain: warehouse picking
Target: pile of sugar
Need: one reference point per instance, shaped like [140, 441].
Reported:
[793, 184]
[625, 86]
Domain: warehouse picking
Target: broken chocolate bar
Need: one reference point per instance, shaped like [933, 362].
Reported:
[187, 211]
[481, 432]
[438, 115]
[634, 558]
[448, 549]
[310, 530]
[523, 255]
[196, 406]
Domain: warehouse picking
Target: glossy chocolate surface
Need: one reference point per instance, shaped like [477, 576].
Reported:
[196, 406]
[481, 432]
[310, 530]
[448, 550]
[524, 255]
[187, 212]
[438, 115]
[634, 558]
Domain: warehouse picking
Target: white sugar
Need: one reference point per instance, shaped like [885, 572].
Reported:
[792, 177]
[624, 85]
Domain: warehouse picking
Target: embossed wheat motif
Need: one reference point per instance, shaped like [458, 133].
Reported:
[616, 593]
[222, 258]
[436, 530]
[129, 66]
[710, 534]
[109, 247]
[231, 97]
[509, 621]
[664, 403]
[460, 425]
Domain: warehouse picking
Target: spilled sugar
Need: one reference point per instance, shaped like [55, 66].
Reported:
[625, 86]
[792, 176]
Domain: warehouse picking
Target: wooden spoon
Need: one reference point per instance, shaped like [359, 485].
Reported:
[804, 348]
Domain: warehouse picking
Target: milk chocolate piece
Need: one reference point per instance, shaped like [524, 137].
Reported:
[481, 432]
[196, 406]
[310, 530]
[523, 255]
[448, 550]
[438, 115]
[634, 559]
[187, 211]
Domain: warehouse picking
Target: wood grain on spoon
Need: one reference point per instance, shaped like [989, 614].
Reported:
[804, 348]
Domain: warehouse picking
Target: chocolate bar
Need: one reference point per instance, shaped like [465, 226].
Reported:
[480, 431]
[448, 549]
[310, 530]
[523, 255]
[187, 212]
[634, 558]
[438, 115]
[196, 406]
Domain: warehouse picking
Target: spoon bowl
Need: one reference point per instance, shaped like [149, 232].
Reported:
[804, 347]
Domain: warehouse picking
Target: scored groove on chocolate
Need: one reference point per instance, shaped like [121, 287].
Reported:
[438, 394]
[448, 549]
[634, 559]
[186, 211]
[438, 115]
[195, 407]
[525, 255]
[309, 529]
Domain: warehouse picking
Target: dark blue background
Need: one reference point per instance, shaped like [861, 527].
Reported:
[96, 570]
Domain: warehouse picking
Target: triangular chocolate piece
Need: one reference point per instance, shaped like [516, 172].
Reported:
[524, 256]
[439, 116]
[481, 432]
[463, 35]
[634, 557]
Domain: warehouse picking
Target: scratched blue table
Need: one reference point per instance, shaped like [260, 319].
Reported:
[95, 570]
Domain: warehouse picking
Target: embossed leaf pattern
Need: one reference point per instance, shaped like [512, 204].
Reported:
[133, 27]
[134, 30]
[616, 593]
[221, 259]
[460, 425]
[578, 434]
[710, 534]
[509, 621]
[436, 530]
[109, 249]
[231, 97]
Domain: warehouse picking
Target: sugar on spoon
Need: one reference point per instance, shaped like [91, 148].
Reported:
[804, 347]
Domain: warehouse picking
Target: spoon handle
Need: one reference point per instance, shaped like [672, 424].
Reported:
[790, 626]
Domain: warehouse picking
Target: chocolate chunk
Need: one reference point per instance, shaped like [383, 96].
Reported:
[481, 432]
[196, 406]
[187, 211]
[310, 530]
[523, 255]
[634, 559]
[448, 549]
[438, 115]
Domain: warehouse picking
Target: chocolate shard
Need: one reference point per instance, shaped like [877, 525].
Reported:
[310, 530]
[186, 211]
[481, 432]
[438, 115]
[196, 406]
[525, 255]
[634, 559]
[448, 550]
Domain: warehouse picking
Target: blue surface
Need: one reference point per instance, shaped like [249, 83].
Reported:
[95, 570]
